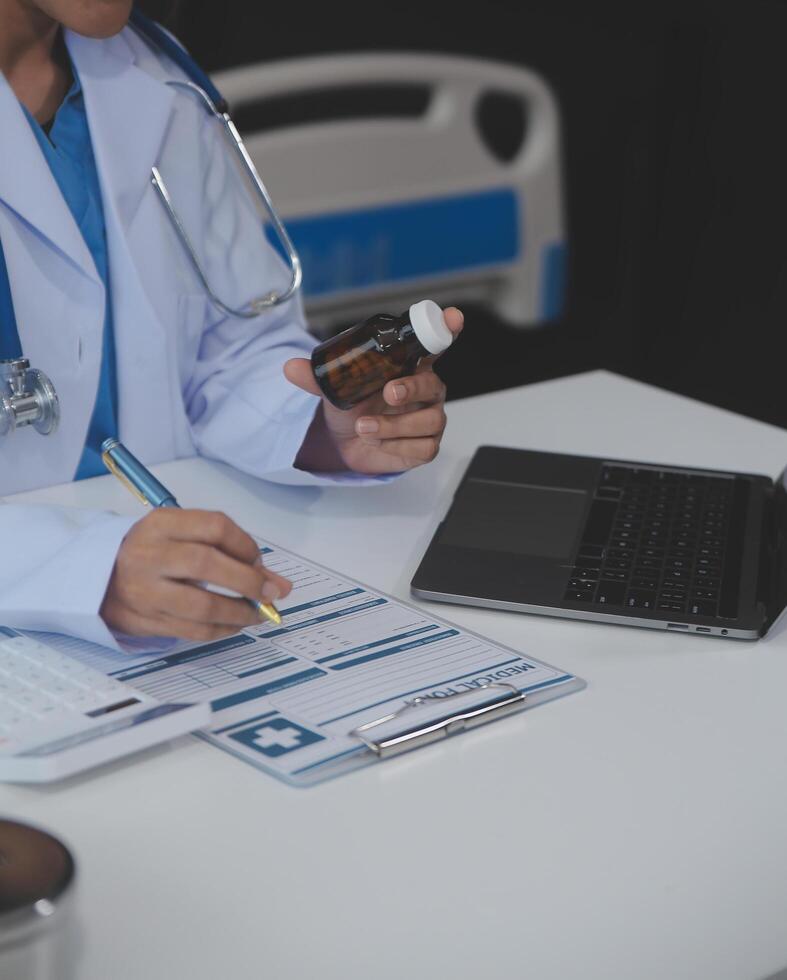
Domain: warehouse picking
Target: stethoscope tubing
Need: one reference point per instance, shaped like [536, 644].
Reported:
[26, 385]
[268, 300]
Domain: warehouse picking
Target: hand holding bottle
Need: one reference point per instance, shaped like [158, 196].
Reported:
[394, 429]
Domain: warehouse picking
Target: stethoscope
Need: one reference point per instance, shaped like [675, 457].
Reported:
[27, 396]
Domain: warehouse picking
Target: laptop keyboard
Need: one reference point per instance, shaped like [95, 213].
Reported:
[664, 541]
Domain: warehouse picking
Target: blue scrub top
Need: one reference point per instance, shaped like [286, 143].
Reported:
[69, 153]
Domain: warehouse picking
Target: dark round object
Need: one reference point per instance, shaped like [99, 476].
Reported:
[34, 867]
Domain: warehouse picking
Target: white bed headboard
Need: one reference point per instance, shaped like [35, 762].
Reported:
[387, 210]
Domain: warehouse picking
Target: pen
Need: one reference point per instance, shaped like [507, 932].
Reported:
[141, 482]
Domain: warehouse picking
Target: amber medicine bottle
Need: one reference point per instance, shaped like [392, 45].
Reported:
[360, 361]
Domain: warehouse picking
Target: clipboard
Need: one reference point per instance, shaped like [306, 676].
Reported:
[351, 677]
[457, 720]
[422, 720]
[401, 731]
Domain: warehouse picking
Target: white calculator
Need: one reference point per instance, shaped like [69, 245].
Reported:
[58, 717]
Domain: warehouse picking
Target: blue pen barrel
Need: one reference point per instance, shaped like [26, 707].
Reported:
[138, 477]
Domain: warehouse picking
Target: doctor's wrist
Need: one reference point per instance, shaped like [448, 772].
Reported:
[319, 452]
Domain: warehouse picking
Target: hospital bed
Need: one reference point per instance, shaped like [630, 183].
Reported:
[408, 175]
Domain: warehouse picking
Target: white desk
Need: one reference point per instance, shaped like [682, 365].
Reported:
[652, 806]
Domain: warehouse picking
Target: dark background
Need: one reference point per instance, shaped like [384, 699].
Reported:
[675, 169]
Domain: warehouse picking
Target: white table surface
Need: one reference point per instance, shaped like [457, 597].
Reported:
[635, 830]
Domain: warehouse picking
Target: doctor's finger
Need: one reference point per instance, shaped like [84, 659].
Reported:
[191, 603]
[196, 561]
[424, 387]
[134, 623]
[423, 422]
[412, 452]
[454, 320]
[207, 526]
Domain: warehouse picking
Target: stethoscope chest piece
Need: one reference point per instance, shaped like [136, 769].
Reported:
[27, 397]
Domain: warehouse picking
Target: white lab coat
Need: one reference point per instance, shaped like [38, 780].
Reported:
[189, 381]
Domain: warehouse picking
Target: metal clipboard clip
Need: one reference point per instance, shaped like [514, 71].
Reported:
[458, 721]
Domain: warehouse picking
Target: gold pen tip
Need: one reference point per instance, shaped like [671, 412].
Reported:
[269, 612]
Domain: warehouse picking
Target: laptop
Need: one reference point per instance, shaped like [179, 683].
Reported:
[663, 547]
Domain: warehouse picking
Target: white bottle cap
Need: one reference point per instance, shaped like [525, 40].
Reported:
[428, 323]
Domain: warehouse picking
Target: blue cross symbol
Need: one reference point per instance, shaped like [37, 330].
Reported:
[276, 736]
[284, 738]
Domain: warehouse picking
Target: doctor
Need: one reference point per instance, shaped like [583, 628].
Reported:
[106, 303]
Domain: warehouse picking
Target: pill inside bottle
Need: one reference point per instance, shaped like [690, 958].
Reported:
[360, 361]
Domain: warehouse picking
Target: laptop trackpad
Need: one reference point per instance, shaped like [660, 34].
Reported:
[521, 519]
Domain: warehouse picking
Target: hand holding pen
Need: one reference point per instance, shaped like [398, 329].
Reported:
[156, 585]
